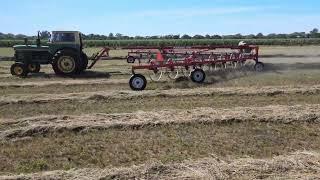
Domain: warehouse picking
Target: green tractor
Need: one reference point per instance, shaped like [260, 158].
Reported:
[64, 52]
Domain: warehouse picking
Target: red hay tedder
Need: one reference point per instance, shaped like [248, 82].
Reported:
[191, 61]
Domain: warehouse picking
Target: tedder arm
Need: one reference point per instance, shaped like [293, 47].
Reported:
[102, 54]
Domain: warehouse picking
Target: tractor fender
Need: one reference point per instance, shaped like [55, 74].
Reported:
[60, 50]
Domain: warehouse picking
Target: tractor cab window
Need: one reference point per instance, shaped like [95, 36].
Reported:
[63, 37]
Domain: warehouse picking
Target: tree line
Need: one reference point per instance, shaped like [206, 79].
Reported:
[117, 36]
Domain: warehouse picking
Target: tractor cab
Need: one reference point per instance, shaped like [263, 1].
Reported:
[65, 39]
[64, 52]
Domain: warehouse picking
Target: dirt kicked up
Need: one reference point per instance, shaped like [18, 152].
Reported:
[238, 125]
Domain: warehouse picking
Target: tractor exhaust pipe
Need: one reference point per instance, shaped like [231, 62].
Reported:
[26, 41]
[38, 39]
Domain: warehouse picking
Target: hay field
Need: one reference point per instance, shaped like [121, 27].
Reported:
[238, 125]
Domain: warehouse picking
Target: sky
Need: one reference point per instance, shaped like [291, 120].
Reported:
[160, 17]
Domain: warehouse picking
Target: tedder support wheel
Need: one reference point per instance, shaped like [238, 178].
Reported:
[198, 76]
[259, 67]
[131, 59]
[34, 67]
[138, 82]
[19, 69]
[66, 62]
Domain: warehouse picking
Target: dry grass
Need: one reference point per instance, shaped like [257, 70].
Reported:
[6, 52]
[47, 124]
[99, 104]
[292, 51]
[123, 94]
[166, 144]
[298, 165]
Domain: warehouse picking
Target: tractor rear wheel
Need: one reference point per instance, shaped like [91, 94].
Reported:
[34, 67]
[19, 69]
[66, 62]
[198, 76]
[84, 62]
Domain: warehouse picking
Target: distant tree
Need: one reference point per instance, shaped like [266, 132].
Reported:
[10, 36]
[198, 37]
[103, 37]
[314, 31]
[170, 36]
[2, 36]
[259, 36]
[186, 37]
[297, 35]
[250, 36]
[138, 37]
[119, 36]
[111, 36]
[238, 36]
[154, 37]
[20, 36]
[282, 36]
[44, 34]
[176, 36]
[272, 36]
[216, 37]
[125, 37]
[227, 37]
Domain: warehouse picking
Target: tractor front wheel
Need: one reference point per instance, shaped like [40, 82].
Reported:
[34, 67]
[19, 69]
[66, 62]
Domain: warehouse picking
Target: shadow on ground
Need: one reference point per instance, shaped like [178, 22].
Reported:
[85, 75]
[291, 66]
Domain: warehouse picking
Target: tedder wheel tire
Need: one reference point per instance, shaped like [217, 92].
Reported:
[198, 76]
[131, 59]
[66, 62]
[259, 67]
[138, 82]
[34, 67]
[19, 69]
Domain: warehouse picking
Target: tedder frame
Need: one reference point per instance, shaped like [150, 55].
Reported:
[189, 61]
